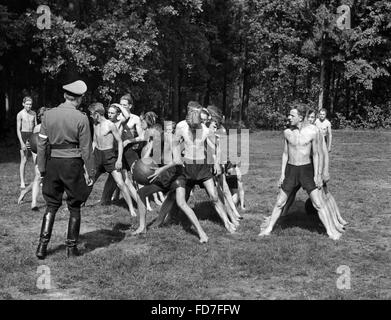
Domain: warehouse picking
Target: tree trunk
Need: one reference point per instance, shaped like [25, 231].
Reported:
[322, 74]
[225, 90]
[347, 111]
[175, 86]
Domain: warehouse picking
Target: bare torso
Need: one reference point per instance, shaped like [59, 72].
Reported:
[27, 120]
[300, 144]
[323, 126]
[104, 138]
[194, 146]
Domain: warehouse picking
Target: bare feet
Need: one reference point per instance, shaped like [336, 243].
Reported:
[230, 227]
[139, 231]
[335, 236]
[203, 238]
[133, 213]
[21, 197]
[264, 232]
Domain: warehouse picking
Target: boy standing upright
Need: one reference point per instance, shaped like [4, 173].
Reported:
[324, 125]
[26, 120]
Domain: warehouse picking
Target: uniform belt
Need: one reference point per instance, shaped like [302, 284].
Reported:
[64, 146]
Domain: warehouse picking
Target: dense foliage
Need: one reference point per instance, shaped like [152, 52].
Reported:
[252, 58]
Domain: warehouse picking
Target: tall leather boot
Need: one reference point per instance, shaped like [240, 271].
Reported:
[46, 233]
[73, 233]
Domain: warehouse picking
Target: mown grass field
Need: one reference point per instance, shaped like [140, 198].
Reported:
[297, 261]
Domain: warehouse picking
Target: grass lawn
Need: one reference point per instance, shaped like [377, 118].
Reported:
[298, 261]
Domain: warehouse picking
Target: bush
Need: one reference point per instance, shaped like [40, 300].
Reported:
[264, 117]
[374, 117]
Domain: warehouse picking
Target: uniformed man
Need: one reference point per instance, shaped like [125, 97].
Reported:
[64, 149]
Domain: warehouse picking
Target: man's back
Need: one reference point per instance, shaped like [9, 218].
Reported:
[67, 130]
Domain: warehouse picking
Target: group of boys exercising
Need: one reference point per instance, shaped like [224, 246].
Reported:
[189, 154]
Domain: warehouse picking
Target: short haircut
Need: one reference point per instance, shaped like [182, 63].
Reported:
[41, 111]
[310, 111]
[69, 97]
[193, 105]
[97, 107]
[150, 118]
[216, 114]
[27, 98]
[323, 110]
[301, 109]
[193, 118]
[128, 98]
[118, 110]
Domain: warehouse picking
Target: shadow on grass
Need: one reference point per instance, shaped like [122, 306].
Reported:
[298, 217]
[97, 239]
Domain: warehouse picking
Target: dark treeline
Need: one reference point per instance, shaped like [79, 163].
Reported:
[252, 58]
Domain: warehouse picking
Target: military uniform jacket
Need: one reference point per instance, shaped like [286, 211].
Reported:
[65, 125]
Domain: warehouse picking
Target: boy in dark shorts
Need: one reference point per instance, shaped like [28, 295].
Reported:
[166, 182]
[26, 120]
[107, 159]
[300, 158]
[196, 170]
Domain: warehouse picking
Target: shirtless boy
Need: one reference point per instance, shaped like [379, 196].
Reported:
[131, 133]
[298, 170]
[26, 120]
[34, 186]
[196, 171]
[324, 126]
[106, 157]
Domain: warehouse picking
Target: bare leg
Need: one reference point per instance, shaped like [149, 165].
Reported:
[142, 213]
[35, 189]
[132, 189]
[168, 205]
[22, 166]
[235, 196]
[277, 210]
[125, 191]
[115, 196]
[148, 204]
[108, 189]
[24, 191]
[228, 197]
[331, 202]
[219, 207]
[161, 196]
[331, 214]
[230, 213]
[156, 199]
[319, 205]
[182, 204]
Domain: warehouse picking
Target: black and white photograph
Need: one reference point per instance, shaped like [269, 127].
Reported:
[195, 154]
